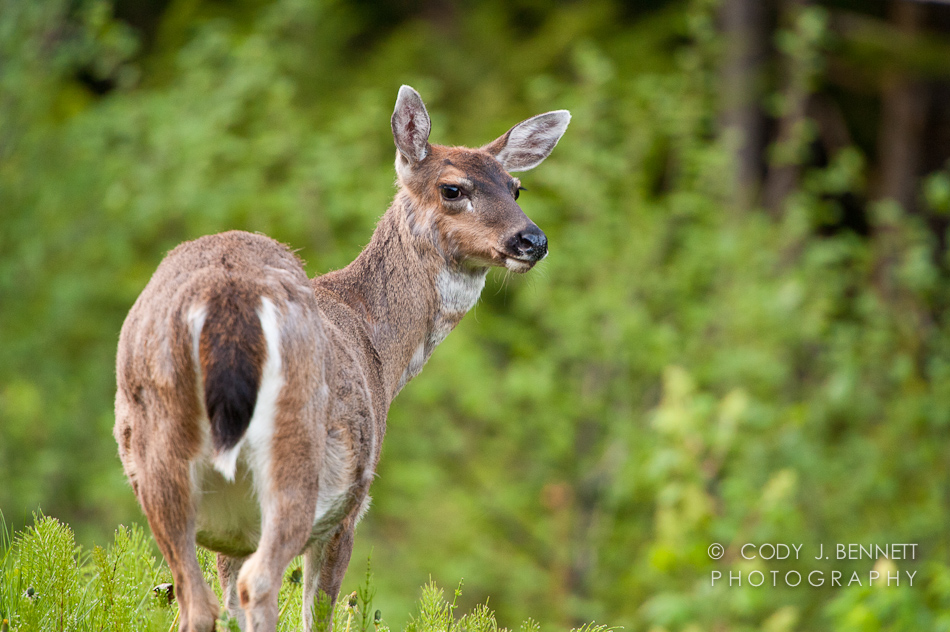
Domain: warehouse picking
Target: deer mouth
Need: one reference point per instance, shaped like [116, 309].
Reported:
[519, 264]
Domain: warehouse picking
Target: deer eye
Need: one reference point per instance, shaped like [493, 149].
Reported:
[450, 192]
[518, 191]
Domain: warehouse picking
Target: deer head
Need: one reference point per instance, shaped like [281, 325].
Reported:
[465, 200]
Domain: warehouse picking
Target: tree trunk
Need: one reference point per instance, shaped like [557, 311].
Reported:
[903, 117]
[784, 171]
[744, 25]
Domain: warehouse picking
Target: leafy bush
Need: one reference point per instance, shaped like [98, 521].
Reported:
[680, 371]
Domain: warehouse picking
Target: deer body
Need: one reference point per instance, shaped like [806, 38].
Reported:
[252, 401]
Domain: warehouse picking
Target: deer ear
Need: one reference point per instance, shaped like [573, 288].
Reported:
[529, 142]
[411, 126]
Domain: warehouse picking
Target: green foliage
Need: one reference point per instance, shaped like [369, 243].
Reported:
[923, 606]
[48, 583]
[125, 576]
[678, 372]
[438, 615]
[115, 589]
[47, 560]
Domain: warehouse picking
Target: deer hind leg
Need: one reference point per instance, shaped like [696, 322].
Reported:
[228, 569]
[283, 449]
[287, 523]
[166, 494]
[285, 477]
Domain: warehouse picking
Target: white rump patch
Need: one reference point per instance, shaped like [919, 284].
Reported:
[196, 321]
[261, 427]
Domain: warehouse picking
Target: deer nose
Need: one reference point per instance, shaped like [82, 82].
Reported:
[531, 243]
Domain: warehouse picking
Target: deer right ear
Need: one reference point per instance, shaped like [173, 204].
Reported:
[529, 142]
[411, 126]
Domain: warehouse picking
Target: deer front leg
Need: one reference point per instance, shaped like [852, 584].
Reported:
[312, 562]
[228, 569]
[335, 560]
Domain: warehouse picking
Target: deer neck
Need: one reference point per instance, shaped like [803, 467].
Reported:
[409, 293]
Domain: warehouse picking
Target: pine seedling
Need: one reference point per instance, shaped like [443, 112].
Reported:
[454, 605]
[49, 563]
[594, 627]
[10, 578]
[320, 611]
[530, 625]
[480, 619]
[122, 584]
[435, 614]
[366, 593]
[230, 623]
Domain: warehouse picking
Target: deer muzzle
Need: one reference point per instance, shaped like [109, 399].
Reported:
[529, 244]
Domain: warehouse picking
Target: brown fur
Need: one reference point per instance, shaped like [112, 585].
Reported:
[347, 343]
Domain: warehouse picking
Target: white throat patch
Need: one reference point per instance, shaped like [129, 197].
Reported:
[458, 293]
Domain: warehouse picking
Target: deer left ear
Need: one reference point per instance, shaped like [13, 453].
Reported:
[529, 142]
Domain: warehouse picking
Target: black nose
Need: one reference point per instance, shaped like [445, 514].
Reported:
[531, 243]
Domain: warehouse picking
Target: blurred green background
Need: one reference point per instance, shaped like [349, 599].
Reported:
[741, 333]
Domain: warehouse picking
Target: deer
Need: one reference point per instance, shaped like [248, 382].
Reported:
[251, 400]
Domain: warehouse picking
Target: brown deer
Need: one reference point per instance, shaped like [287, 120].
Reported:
[252, 401]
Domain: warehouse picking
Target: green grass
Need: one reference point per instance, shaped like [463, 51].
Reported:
[48, 582]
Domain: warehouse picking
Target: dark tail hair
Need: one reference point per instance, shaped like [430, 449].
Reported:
[231, 351]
